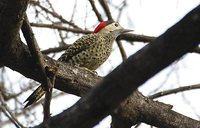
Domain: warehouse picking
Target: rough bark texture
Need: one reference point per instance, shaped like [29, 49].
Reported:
[117, 86]
[11, 18]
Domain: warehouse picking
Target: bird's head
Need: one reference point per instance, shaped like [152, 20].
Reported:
[110, 27]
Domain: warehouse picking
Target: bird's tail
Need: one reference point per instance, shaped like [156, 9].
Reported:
[35, 96]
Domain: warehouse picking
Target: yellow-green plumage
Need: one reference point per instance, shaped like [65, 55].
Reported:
[90, 51]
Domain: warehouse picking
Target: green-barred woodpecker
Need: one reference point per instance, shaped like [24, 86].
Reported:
[89, 51]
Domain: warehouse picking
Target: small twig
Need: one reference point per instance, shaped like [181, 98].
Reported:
[9, 96]
[119, 43]
[54, 14]
[56, 49]
[51, 6]
[121, 49]
[37, 56]
[9, 114]
[59, 31]
[176, 90]
[48, 96]
[95, 10]
[27, 110]
[167, 76]
[124, 4]
[59, 27]
[74, 10]
[9, 117]
[106, 9]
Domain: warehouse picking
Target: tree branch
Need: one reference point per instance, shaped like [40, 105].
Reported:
[175, 90]
[56, 49]
[138, 108]
[121, 49]
[136, 37]
[10, 22]
[8, 113]
[35, 51]
[95, 10]
[106, 9]
[54, 14]
[59, 27]
[38, 58]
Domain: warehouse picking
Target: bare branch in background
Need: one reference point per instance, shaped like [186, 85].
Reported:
[104, 5]
[8, 113]
[175, 90]
[59, 27]
[122, 50]
[95, 10]
[54, 50]
[53, 14]
[124, 4]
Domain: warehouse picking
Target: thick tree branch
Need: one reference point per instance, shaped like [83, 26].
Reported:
[11, 18]
[10, 22]
[138, 108]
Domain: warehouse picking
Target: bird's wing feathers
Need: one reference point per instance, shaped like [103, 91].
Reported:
[78, 46]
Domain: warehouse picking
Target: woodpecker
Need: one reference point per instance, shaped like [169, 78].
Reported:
[89, 51]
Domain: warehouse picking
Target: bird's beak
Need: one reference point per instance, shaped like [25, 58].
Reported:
[121, 31]
[126, 30]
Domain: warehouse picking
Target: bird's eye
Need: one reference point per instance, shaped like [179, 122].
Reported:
[116, 24]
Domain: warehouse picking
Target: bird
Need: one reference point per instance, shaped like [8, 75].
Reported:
[90, 51]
